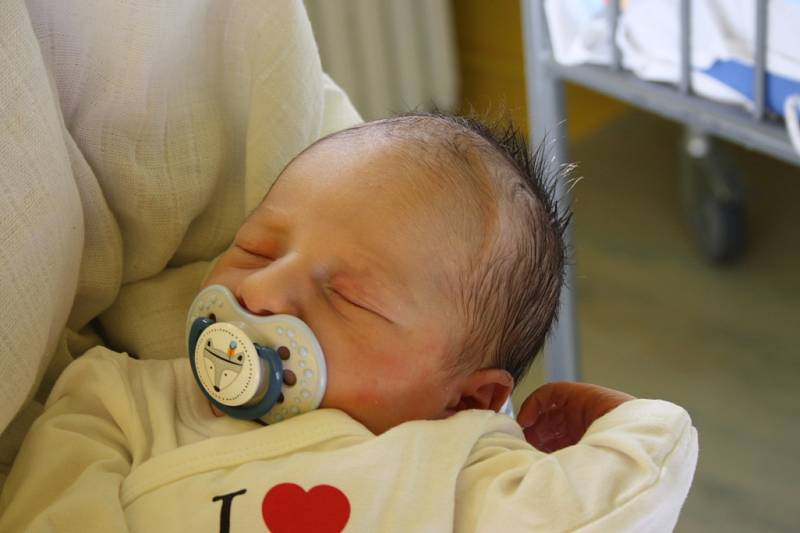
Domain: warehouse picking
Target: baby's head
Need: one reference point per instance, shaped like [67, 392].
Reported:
[424, 252]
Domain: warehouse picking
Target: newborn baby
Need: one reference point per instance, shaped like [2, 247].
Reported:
[426, 255]
[427, 261]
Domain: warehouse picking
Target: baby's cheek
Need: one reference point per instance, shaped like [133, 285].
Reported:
[223, 274]
[370, 388]
[364, 395]
[386, 383]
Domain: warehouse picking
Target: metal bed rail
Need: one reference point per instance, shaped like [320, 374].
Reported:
[545, 93]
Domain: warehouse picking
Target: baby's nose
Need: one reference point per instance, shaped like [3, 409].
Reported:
[276, 289]
[244, 305]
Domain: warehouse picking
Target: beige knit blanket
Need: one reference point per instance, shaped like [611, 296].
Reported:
[135, 136]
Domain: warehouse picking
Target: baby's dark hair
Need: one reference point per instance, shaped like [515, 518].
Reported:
[509, 294]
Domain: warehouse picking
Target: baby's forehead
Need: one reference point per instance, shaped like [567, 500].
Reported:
[426, 155]
[379, 167]
[432, 178]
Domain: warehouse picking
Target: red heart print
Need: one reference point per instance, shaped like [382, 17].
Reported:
[287, 508]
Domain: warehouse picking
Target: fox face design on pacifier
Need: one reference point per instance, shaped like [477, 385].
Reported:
[253, 367]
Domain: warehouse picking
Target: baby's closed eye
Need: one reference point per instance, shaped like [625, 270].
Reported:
[341, 297]
[354, 304]
[246, 257]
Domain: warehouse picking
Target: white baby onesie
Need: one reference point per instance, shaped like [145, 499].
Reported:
[128, 445]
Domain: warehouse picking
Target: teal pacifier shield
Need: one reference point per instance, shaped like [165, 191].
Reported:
[227, 366]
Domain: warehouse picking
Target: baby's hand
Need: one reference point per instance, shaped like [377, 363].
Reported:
[556, 415]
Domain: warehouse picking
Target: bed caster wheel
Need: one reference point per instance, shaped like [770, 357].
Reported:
[713, 199]
[720, 231]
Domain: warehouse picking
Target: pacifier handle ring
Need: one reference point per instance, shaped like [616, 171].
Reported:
[274, 375]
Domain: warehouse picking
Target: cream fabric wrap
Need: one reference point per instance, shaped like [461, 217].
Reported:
[135, 136]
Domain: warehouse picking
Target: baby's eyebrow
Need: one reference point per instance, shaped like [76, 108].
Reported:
[264, 221]
[268, 215]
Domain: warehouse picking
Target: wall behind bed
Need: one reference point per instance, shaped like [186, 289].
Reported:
[492, 74]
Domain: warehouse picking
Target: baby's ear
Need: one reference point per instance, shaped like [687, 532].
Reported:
[487, 388]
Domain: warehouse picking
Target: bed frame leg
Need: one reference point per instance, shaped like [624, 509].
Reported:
[546, 116]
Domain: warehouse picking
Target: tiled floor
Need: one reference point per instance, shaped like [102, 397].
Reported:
[657, 321]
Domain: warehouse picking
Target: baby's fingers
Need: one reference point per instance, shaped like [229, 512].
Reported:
[545, 398]
[557, 415]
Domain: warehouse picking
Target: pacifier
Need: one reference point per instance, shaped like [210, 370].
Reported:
[253, 367]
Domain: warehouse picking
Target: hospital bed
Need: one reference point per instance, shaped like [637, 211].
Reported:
[712, 189]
